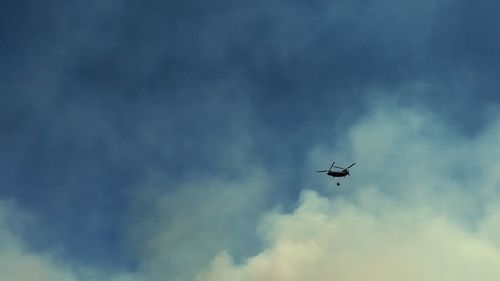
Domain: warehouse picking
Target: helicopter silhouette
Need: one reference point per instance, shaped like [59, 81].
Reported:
[344, 171]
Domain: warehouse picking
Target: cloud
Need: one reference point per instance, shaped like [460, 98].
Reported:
[338, 240]
[175, 233]
[420, 205]
[136, 88]
[17, 263]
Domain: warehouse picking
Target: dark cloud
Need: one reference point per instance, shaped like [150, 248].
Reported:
[97, 96]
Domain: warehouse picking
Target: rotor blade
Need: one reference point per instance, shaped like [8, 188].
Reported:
[331, 165]
[339, 167]
[323, 171]
[351, 165]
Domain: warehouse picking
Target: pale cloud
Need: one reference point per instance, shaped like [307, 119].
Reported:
[339, 240]
[175, 233]
[420, 205]
[19, 263]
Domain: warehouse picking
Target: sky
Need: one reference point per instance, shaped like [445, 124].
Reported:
[178, 140]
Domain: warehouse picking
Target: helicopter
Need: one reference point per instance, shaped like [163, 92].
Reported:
[344, 172]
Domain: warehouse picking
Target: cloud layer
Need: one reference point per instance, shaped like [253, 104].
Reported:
[338, 240]
[428, 214]
[149, 136]
[17, 262]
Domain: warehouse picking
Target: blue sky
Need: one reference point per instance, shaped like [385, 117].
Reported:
[177, 140]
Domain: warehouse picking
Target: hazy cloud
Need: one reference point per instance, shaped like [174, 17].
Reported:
[175, 233]
[19, 263]
[426, 214]
[149, 136]
[371, 238]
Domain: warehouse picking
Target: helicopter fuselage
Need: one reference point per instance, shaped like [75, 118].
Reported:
[337, 174]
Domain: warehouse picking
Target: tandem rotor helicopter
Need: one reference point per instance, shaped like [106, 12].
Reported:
[344, 171]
